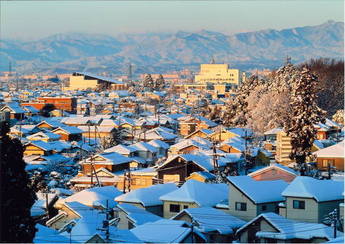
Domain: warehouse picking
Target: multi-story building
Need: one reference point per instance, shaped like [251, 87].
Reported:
[284, 148]
[84, 81]
[219, 74]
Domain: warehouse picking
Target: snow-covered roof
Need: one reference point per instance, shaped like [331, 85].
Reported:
[122, 149]
[139, 216]
[46, 135]
[204, 161]
[289, 229]
[211, 219]
[274, 166]
[335, 151]
[148, 196]
[15, 107]
[273, 131]
[320, 190]
[159, 144]
[48, 235]
[253, 189]
[236, 142]
[114, 158]
[96, 196]
[204, 174]
[203, 194]
[242, 132]
[163, 231]
[143, 146]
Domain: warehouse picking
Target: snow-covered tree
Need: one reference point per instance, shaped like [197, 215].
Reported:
[339, 117]
[159, 83]
[17, 197]
[148, 82]
[304, 114]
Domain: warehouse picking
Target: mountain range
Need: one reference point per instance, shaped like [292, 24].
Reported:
[163, 52]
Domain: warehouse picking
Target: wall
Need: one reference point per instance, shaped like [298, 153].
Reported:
[236, 196]
[309, 214]
[166, 207]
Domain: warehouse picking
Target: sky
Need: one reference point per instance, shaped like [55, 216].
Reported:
[38, 19]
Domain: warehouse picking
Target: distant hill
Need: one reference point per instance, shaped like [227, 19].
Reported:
[161, 52]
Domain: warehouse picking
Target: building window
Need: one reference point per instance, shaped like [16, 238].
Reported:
[325, 163]
[263, 207]
[175, 208]
[298, 204]
[241, 206]
[185, 206]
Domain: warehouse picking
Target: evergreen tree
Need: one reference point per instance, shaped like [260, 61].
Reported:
[148, 82]
[17, 197]
[304, 115]
[160, 82]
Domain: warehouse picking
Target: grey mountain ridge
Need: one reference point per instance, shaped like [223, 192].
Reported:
[163, 52]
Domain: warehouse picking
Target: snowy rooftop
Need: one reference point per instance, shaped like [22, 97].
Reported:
[277, 166]
[138, 215]
[147, 196]
[335, 151]
[203, 194]
[320, 190]
[289, 229]
[96, 196]
[253, 189]
[211, 219]
[159, 144]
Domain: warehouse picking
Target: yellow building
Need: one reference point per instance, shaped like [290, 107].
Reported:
[219, 73]
[284, 148]
[84, 81]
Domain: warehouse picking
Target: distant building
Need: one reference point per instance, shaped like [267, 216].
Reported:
[218, 74]
[68, 104]
[84, 81]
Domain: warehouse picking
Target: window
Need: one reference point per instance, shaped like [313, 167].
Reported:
[325, 163]
[174, 208]
[263, 208]
[298, 204]
[185, 206]
[241, 206]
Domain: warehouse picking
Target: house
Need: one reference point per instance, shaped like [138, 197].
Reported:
[179, 167]
[23, 130]
[161, 146]
[247, 199]
[16, 112]
[309, 199]
[158, 133]
[140, 178]
[145, 151]
[273, 228]
[192, 195]
[333, 156]
[31, 111]
[89, 179]
[203, 133]
[148, 198]
[96, 197]
[44, 136]
[49, 124]
[168, 231]
[112, 161]
[101, 132]
[186, 146]
[68, 133]
[274, 172]
[38, 148]
[235, 144]
[202, 176]
[216, 225]
[131, 216]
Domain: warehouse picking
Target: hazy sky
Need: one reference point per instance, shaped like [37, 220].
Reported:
[36, 19]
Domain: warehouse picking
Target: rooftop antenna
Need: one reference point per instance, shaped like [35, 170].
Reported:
[130, 71]
[212, 60]
[10, 69]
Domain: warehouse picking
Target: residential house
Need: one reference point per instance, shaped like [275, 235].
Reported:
[145, 151]
[49, 124]
[332, 156]
[131, 216]
[272, 228]
[140, 178]
[44, 136]
[202, 176]
[68, 133]
[148, 198]
[187, 146]
[274, 172]
[161, 146]
[216, 225]
[168, 231]
[310, 200]
[203, 133]
[192, 195]
[248, 199]
[16, 112]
